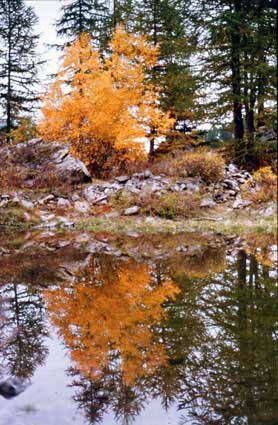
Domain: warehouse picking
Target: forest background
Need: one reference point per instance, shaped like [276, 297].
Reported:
[217, 63]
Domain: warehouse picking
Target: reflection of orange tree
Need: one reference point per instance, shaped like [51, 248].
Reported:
[106, 318]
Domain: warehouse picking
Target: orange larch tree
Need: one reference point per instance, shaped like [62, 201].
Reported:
[105, 105]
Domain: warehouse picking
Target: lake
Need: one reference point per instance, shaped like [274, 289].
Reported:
[143, 330]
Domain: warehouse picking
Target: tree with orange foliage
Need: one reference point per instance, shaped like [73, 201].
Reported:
[102, 106]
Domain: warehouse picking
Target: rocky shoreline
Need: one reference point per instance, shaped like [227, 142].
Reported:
[88, 201]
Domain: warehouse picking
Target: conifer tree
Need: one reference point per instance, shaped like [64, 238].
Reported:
[79, 16]
[162, 21]
[236, 61]
[18, 60]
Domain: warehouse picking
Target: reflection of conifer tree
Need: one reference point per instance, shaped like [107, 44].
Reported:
[95, 398]
[233, 376]
[183, 330]
[91, 397]
[24, 330]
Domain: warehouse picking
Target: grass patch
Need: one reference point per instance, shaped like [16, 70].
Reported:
[12, 216]
[156, 225]
[168, 205]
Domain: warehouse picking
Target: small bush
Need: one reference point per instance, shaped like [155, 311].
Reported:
[265, 186]
[207, 165]
[169, 205]
[109, 162]
[25, 131]
[11, 177]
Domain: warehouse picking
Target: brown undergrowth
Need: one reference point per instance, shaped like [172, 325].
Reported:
[168, 205]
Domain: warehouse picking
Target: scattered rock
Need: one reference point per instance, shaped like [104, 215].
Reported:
[4, 202]
[132, 210]
[27, 204]
[232, 168]
[63, 243]
[83, 237]
[64, 203]
[82, 206]
[46, 199]
[47, 217]
[266, 136]
[268, 211]
[101, 200]
[95, 246]
[112, 215]
[147, 173]
[230, 184]
[26, 216]
[193, 187]
[207, 203]
[150, 220]
[133, 190]
[122, 179]
[133, 234]
[65, 222]
[241, 203]
[13, 386]
[182, 248]
[73, 169]
[75, 197]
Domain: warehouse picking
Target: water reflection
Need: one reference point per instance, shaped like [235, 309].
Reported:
[197, 330]
[106, 316]
[233, 375]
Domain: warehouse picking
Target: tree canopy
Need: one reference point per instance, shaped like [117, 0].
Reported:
[100, 106]
[19, 61]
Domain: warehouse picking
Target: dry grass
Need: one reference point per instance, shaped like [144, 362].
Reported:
[169, 205]
[265, 187]
[201, 163]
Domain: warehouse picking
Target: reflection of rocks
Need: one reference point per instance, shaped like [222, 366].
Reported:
[12, 387]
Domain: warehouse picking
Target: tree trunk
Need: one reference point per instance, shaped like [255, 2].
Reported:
[9, 115]
[236, 85]
[80, 22]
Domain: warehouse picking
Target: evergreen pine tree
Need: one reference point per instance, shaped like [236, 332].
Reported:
[236, 62]
[163, 23]
[91, 16]
[18, 60]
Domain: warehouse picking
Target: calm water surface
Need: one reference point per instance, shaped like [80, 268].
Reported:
[185, 335]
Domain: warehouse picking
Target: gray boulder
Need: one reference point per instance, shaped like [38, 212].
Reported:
[73, 168]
